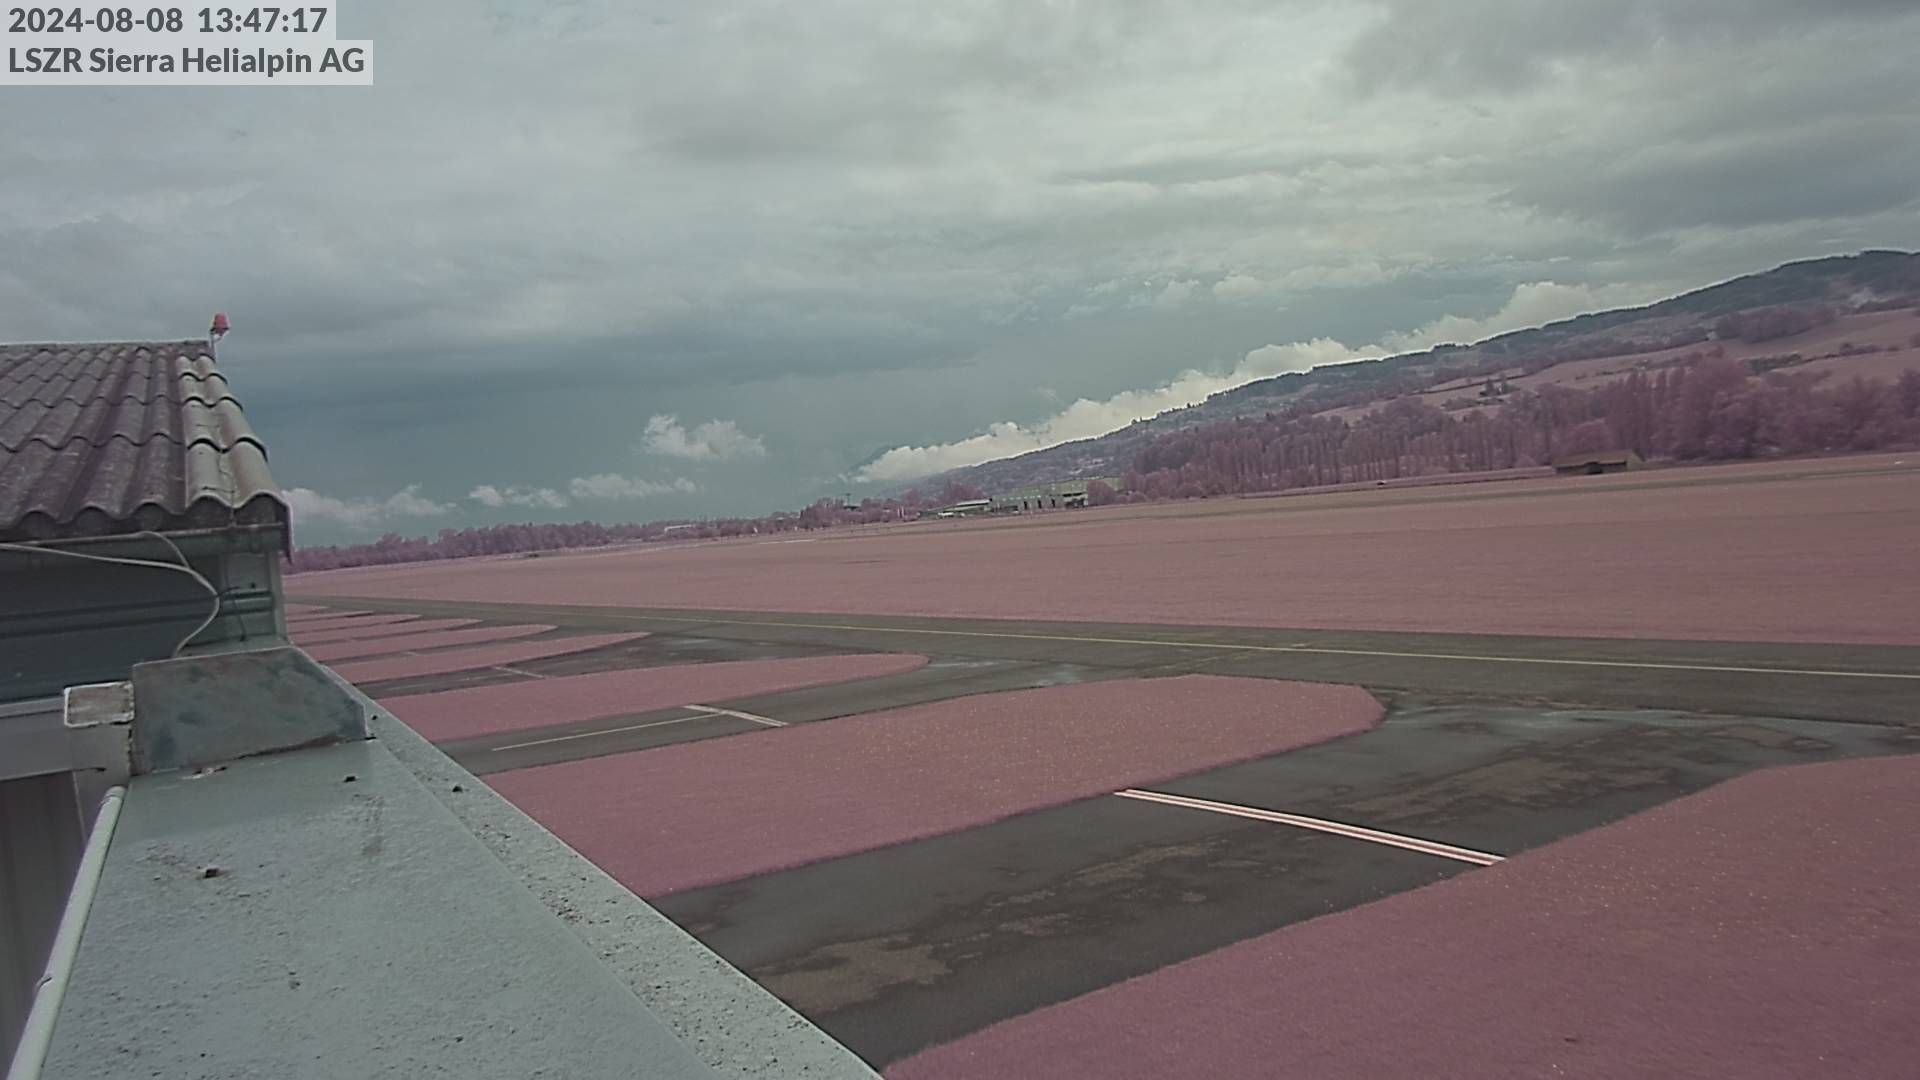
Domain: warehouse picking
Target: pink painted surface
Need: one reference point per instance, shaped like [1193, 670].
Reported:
[318, 614]
[483, 710]
[325, 623]
[352, 650]
[356, 630]
[1764, 929]
[451, 660]
[680, 817]
[1828, 558]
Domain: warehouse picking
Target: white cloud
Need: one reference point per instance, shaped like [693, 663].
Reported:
[1245, 288]
[1177, 293]
[407, 502]
[715, 440]
[615, 486]
[1531, 304]
[1248, 288]
[1086, 418]
[538, 498]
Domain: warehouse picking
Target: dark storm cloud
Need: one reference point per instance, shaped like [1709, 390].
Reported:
[1466, 46]
[856, 225]
[1835, 170]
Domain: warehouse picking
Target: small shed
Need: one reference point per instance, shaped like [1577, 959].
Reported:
[1593, 464]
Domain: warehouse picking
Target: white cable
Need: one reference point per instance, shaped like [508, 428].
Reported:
[181, 567]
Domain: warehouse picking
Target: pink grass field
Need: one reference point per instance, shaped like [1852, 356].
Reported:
[445, 661]
[354, 650]
[311, 615]
[483, 710]
[681, 817]
[351, 632]
[1824, 558]
[321, 624]
[1764, 929]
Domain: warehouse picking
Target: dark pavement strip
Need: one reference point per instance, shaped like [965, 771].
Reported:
[655, 650]
[617, 734]
[1869, 684]
[897, 949]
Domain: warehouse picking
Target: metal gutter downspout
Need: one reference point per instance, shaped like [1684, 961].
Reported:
[48, 994]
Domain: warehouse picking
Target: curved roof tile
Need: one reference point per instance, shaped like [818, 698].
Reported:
[112, 437]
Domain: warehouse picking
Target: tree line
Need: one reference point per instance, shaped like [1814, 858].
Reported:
[529, 538]
[1709, 410]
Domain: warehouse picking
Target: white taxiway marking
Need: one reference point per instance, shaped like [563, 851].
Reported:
[597, 734]
[701, 712]
[736, 714]
[1410, 843]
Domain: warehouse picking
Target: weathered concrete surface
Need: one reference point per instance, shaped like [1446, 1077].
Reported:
[318, 914]
[1762, 929]
[739, 1029]
[201, 710]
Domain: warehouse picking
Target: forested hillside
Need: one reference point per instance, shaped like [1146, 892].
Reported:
[1773, 306]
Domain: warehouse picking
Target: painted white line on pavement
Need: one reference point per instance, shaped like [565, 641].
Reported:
[598, 733]
[737, 714]
[1410, 843]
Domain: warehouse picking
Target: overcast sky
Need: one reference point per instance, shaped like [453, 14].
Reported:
[630, 260]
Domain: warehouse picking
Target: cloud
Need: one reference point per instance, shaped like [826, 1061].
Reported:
[360, 513]
[715, 440]
[1531, 304]
[615, 486]
[1176, 293]
[1087, 418]
[1513, 45]
[813, 218]
[605, 485]
[537, 498]
[1249, 288]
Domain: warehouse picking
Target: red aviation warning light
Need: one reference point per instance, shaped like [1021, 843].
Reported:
[220, 326]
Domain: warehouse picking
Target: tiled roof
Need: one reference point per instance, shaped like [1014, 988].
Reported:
[116, 437]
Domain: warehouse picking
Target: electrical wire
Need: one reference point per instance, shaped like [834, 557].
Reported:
[181, 567]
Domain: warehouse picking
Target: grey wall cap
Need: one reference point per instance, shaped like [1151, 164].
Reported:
[318, 915]
[203, 710]
[736, 1026]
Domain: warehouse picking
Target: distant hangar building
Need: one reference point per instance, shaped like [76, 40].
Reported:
[1605, 461]
[1060, 495]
